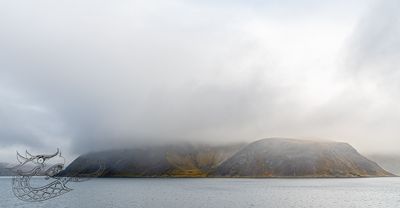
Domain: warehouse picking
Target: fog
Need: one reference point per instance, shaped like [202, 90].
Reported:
[90, 75]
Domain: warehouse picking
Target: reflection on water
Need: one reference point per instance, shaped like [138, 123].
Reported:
[232, 193]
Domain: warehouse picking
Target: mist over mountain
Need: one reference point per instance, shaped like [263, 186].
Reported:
[87, 75]
[390, 162]
[275, 157]
[4, 171]
[278, 157]
[154, 161]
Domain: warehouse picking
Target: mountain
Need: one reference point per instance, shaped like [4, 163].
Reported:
[184, 160]
[275, 157]
[278, 157]
[390, 163]
[4, 171]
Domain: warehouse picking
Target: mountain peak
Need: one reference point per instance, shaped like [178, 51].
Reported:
[282, 157]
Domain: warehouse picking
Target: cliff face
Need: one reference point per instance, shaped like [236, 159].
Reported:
[274, 157]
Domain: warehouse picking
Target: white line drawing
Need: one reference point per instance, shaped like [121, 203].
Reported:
[38, 166]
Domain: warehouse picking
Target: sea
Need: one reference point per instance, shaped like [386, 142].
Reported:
[218, 193]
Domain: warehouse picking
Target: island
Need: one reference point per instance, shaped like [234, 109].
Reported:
[272, 157]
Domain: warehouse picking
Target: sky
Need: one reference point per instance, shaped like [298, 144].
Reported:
[87, 75]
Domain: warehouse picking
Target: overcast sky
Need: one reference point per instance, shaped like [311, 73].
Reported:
[86, 75]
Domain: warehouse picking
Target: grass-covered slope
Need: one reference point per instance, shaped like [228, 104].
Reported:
[275, 157]
[155, 161]
[279, 157]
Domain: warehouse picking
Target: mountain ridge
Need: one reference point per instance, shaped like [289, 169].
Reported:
[281, 157]
[271, 157]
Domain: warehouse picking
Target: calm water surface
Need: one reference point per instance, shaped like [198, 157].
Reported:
[230, 193]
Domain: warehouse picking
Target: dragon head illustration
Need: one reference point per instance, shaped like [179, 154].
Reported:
[49, 166]
[39, 165]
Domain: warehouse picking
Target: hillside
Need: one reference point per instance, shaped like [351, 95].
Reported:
[184, 160]
[275, 157]
[278, 157]
[389, 162]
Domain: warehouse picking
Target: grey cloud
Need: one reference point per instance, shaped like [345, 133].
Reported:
[24, 123]
[375, 45]
[121, 74]
[169, 79]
